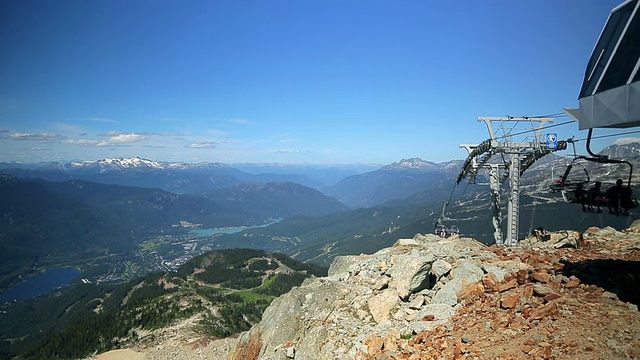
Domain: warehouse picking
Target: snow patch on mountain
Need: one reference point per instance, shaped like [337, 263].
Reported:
[138, 164]
[419, 165]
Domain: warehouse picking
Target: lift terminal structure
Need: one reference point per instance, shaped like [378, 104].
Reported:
[505, 157]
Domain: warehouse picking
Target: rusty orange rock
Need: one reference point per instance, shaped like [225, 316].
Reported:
[543, 311]
[522, 276]
[504, 286]
[542, 277]
[374, 344]
[489, 281]
[572, 284]
[473, 290]
[390, 343]
[510, 301]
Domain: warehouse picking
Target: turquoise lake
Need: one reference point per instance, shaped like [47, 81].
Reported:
[229, 230]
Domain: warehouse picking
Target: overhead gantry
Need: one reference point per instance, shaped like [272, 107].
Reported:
[501, 158]
[610, 92]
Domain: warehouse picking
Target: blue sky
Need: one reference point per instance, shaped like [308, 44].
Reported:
[283, 81]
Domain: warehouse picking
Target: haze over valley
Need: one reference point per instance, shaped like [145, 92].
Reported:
[318, 180]
[117, 220]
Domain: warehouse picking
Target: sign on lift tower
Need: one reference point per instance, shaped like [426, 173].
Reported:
[506, 158]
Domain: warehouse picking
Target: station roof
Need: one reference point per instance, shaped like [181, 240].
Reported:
[610, 92]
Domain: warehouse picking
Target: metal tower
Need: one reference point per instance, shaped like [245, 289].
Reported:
[515, 143]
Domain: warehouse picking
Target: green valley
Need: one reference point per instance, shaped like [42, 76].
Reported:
[219, 293]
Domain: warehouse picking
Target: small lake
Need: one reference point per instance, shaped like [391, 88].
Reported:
[229, 230]
[35, 285]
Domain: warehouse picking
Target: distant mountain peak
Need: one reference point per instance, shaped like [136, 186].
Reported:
[117, 163]
[138, 163]
[622, 151]
[134, 162]
[412, 163]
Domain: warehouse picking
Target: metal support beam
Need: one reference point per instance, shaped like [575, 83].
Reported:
[513, 207]
[502, 152]
[494, 186]
[503, 121]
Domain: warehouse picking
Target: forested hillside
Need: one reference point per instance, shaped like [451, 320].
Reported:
[219, 294]
[276, 199]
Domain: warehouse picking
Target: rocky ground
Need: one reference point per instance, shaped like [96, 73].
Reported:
[565, 295]
[540, 313]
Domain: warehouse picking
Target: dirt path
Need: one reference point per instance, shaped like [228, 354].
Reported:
[120, 354]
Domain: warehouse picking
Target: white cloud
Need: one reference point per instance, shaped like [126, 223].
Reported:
[160, 134]
[40, 138]
[112, 133]
[628, 140]
[125, 138]
[86, 142]
[203, 145]
[115, 139]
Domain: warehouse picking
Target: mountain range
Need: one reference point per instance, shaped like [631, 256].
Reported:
[179, 177]
[65, 214]
[47, 223]
[356, 186]
[276, 199]
[51, 209]
[398, 180]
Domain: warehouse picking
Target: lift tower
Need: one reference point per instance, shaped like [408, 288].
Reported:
[506, 157]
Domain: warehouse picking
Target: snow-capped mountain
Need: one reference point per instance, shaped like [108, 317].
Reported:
[411, 164]
[114, 164]
[622, 151]
[138, 163]
[398, 180]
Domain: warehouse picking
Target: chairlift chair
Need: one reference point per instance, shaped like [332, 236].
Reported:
[441, 229]
[576, 182]
[573, 175]
[610, 93]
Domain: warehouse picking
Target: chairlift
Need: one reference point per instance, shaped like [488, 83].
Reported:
[441, 229]
[579, 185]
[571, 176]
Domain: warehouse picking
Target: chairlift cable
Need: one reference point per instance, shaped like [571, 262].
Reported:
[465, 189]
[451, 195]
[466, 185]
[534, 130]
[560, 114]
[560, 124]
[609, 135]
[575, 140]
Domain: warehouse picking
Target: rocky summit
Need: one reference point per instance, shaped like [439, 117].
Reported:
[561, 295]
